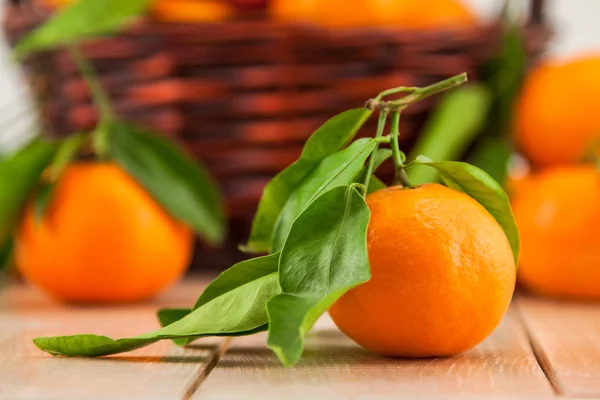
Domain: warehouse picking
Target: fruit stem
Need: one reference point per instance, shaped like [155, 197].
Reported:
[99, 97]
[401, 177]
[378, 136]
[415, 94]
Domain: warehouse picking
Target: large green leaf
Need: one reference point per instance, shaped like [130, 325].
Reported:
[375, 183]
[336, 170]
[328, 139]
[240, 274]
[19, 176]
[484, 189]
[83, 18]
[324, 256]
[180, 184]
[236, 310]
[451, 129]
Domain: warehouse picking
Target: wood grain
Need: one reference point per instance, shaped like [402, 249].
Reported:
[566, 338]
[333, 367]
[160, 371]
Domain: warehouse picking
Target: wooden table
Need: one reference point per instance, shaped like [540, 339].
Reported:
[543, 349]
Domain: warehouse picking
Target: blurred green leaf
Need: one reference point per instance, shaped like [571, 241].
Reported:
[329, 138]
[451, 129]
[19, 176]
[6, 251]
[81, 19]
[492, 155]
[177, 182]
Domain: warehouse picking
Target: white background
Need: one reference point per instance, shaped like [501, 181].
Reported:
[576, 23]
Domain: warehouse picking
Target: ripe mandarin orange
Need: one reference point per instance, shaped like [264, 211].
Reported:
[558, 215]
[192, 10]
[442, 275]
[103, 238]
[413, 15]
[557, 114]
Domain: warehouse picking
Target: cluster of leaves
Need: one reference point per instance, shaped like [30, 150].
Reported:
[312, 220]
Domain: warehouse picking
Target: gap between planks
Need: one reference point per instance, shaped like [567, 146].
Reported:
[538, 352]
[219, 351]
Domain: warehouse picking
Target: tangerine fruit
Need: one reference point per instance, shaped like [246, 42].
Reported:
[558, 215]
[405, 14]
[191, 10]
[557, 113]
[411, 14]
[102, 239]
[442, 275]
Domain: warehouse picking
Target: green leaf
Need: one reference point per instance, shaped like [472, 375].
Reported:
[238, 310]
[484, 189]
[168, 316]
[324, 256]
[338, 169]
[181, 185]
[83, 18]
[19, 176]
[238, 275]
[451, 129]
[328, 139]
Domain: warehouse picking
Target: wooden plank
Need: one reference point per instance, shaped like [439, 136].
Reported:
[566, 338]
[160, 371]
[333, 367]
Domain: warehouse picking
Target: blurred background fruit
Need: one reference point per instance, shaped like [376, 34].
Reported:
[558, 214]
[102, 239]
[192, 10]
[557, 115]
[398, 14]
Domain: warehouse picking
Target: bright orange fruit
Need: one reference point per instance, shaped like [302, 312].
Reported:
[558, 215]
[557, 115]
[103, 238]
[443, 275]
[402, 14]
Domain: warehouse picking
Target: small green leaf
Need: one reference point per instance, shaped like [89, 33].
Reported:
[19, 176]
[328, 139]
[168, 316]
[181, 185]
[324, 256]
[238, 310]
[451, 129]
[484, 189]
[338, 169]
[82, 19]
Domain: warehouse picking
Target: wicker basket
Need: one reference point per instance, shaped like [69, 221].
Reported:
[243, 96]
